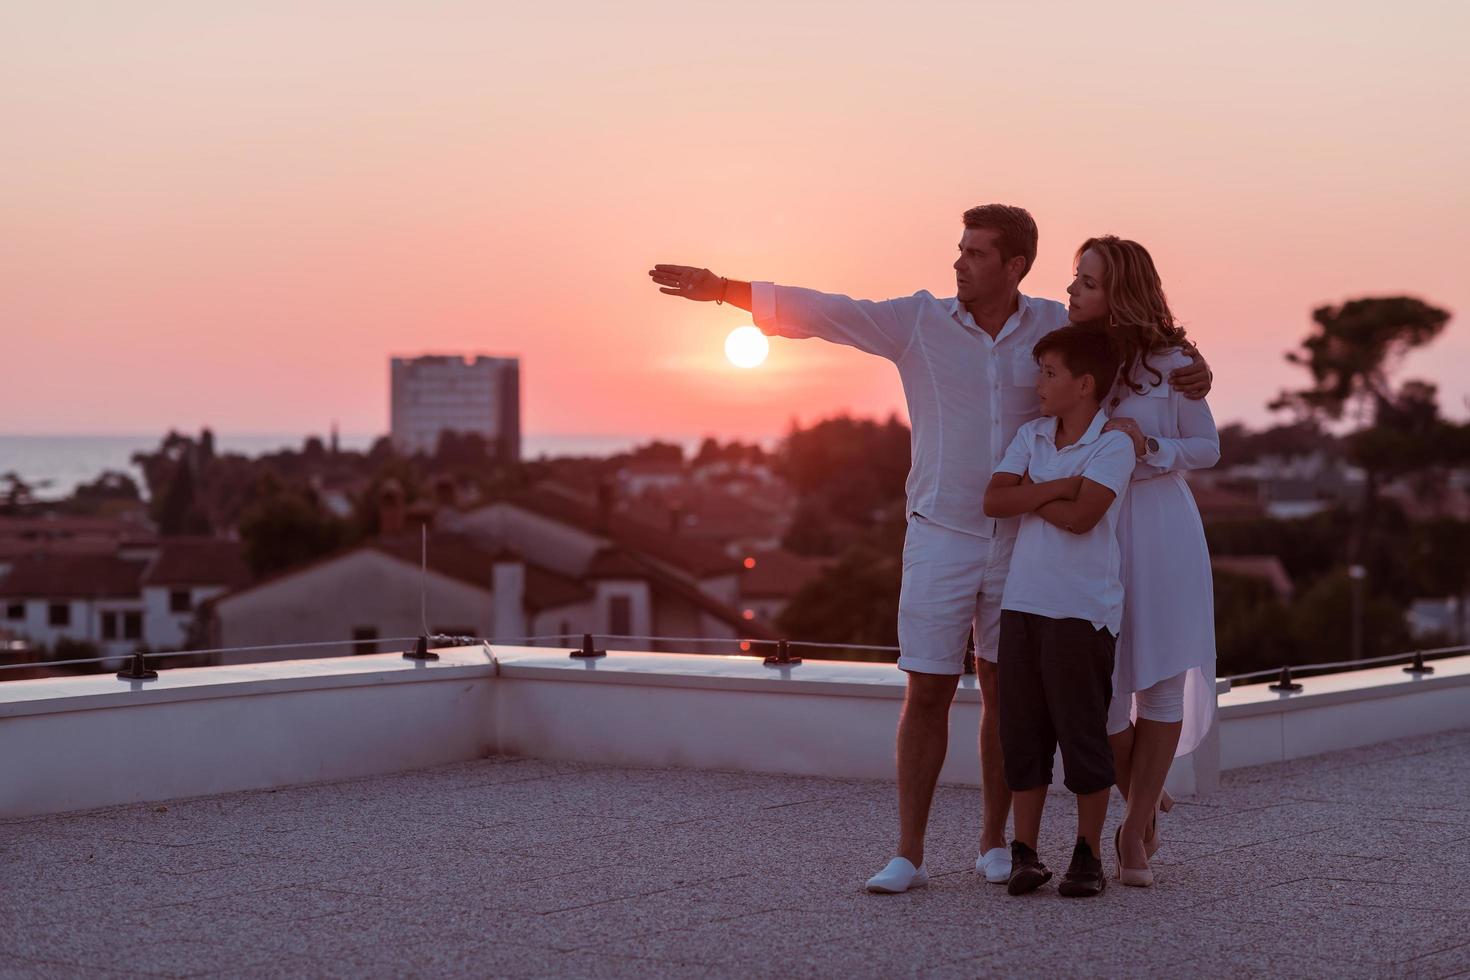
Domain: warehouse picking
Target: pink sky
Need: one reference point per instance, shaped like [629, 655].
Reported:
[233, 215]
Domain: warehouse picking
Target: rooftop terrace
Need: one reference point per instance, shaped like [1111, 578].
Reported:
[1348, 864]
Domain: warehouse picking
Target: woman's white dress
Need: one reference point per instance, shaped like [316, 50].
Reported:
[1168, 591]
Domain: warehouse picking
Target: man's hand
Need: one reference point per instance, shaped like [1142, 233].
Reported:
[1195, 380]
[687, 281]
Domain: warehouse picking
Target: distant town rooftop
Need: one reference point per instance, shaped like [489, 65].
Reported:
[456, 359]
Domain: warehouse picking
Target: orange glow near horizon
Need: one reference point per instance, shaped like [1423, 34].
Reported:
[234, 215]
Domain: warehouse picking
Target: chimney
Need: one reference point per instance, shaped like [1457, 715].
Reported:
[392, 509]
[605, 497]
[509, 599]
[446, 492]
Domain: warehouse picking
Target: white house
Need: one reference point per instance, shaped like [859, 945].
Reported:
[139, 596]
[644, 580]
[641, 476]
[773, 578]
[378, 590]
[533, 565]
[89, 598]
[186, 573]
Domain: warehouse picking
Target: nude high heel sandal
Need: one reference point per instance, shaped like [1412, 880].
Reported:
[1151, 843]
[1134, 877]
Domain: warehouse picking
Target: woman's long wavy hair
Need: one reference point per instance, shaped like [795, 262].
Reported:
[1139, 320]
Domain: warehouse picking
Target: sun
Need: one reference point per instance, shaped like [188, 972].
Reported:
[747, 347]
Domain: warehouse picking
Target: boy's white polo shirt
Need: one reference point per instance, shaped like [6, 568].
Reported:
[1056, 573]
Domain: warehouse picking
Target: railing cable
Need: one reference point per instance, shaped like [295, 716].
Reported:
[1394, 658]
[200, 653]
[705, 641]
[694, 641]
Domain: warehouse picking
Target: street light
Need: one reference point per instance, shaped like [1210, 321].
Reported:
[1356, 576]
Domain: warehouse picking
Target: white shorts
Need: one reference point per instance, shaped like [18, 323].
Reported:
[952, 581]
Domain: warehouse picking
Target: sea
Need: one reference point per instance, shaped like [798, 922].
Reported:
[55, 465]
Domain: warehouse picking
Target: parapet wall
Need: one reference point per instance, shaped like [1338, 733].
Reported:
[81, 742]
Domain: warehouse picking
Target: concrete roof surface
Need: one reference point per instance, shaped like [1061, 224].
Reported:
[1344, 865]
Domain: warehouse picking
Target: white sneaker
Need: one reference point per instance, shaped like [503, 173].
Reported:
[995, 865]
[899, 876]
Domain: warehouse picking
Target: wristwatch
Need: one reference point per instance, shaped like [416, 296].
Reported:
[1150, 446]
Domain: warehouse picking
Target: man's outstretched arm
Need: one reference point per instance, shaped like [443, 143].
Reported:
[883, 327]
[701, 285]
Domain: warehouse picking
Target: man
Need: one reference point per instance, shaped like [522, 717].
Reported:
[970, 382]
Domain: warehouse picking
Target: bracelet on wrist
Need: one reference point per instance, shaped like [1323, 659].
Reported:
[724, 288]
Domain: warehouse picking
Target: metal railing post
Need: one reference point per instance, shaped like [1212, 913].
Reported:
[783, 657]
[588, 650]
[1419, 667]
[137, 669]
[1285, 684]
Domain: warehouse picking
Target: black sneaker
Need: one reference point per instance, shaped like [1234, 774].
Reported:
[1085, 877]
[1027, 871]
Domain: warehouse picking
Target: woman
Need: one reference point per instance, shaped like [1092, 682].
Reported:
[1165, 672]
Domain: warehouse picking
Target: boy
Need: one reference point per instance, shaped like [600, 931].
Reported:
[1063, 601]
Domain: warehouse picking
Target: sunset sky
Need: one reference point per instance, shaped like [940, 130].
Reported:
[234, 214]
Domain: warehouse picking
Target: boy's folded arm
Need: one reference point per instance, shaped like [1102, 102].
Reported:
[1056, 513]
[1007, 496]
[1081, 515]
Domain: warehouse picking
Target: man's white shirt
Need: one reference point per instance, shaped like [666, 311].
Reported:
[1054, 572]
[967, 393]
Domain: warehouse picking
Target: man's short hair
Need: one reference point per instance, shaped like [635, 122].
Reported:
[1015, 230]
[1085, 350]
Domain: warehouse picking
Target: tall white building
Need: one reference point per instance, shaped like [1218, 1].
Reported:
[447, 392]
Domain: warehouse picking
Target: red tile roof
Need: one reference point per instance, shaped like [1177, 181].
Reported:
[454, 556]
[74, 577]
[696, 558]
[614, 563]
[1216, 503]
[644, 467]
[710, 516]
[660, 581]
[459, 557]
[64, 534]
[63, 525]
[779, 574]
[198, 561]
[1267, 567]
